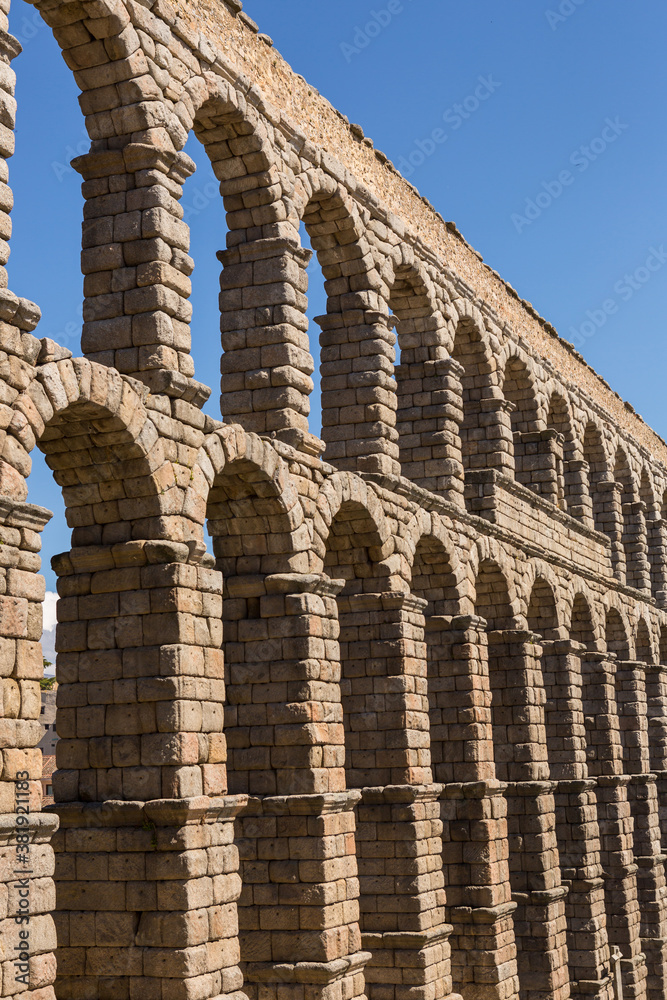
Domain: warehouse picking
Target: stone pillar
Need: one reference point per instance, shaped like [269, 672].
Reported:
[635, 545]
[136, 264]
[299, 910]
[9, 49]
[521, 757]
[384, 690]
[576, 822]
[27, 895]
[459, 699]
[430, 414]
[283, 716]
[578, 492]
[147, 898]
[654, 550]
[481, 907]
[147, 876]
[651, 883]
[554, 487]
[605, 754]
[488, 453]
[399, 846]
[403, 892]
[643, 798]
[473, 810]
[267, 363]
[632, 715]
[610, 519]
[541, 465]
[656, 693]
[490, 441]
[358, 387]
[658, 552]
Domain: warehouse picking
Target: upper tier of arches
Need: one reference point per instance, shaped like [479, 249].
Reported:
[421, 376]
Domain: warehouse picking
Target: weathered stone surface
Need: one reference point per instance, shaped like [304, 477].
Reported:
[404, 733]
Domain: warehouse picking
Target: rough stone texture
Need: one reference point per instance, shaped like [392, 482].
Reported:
[404, 734]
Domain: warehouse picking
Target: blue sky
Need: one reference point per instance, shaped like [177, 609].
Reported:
[554, 171]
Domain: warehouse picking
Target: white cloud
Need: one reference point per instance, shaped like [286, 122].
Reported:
[49, 610]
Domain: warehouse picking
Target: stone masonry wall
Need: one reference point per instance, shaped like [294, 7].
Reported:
[403, 734]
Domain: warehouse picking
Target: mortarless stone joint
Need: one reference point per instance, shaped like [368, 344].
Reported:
[404, 734]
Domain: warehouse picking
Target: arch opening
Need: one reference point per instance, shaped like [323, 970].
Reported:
[519, 390]
[560, 447]
[595, 472]
[479, 444]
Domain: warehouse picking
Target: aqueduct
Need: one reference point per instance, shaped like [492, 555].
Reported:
[404, 733]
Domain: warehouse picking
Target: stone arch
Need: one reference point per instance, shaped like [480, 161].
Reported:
[542, 618]
[632, 684]
[616, 634]
[347, 497]
[492, 596]
[106, 14]
[125, 510]
[353, 542]
[532, 572]
[519, 387]
[236, 141]
[120, 586]
[417, 323]
[246, 162]
[484, 429]
[412, 301]
[433, 582]
[519, 739]
[596, 471]
[383, 740]
[143, 330]
[603, 744]
[427, 381]
[643, 643]
[358, 387]
[632, 522]
[560, 444]
[242, 486]
[263, 273]
[579, 701]
[617, 642]
[542, 615]
[559, 415]
[520, 391]
[433, 576]
[86, 419]
[624, 475]
[582, 625]
[594, 449]
[654, 531]
[332, 220]
[428, 524]
[647, 492]
[352, 547]
[487, 553]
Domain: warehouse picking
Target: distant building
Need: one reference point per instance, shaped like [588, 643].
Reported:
[47, 744]
[48, 767]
